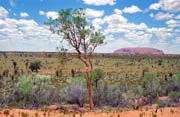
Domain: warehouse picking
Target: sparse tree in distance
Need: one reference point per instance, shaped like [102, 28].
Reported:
[74, 27]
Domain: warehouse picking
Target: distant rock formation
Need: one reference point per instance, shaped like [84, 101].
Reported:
[139, 50]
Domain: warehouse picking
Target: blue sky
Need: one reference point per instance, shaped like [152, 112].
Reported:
[126, 23]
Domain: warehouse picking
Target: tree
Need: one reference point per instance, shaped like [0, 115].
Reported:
[84, 38]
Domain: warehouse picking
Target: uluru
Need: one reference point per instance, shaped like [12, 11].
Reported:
[139, 50]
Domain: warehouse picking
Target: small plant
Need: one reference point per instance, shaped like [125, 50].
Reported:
[154, 115]
[44, 114]
[146, 108]
[141, 115]
[24, 114]
[12, 104]
[12, 115]
[161, 110]
[172, 111]
[45, 109]
[6, 112]
[36, 114]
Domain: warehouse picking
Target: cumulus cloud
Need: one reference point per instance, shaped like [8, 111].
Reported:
[155, 6]
[52, 14]
[100, 2]
[97, 23]
[24, 14]
[166, 5]
[138, 36]
[173, 23]
[91, 13]
[3, 12]
[163, 16]
[132, 9]
[49, 14]
[117, 11]
[24, 34]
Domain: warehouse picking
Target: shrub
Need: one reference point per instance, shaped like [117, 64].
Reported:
[175, 95]
[151, 85]
[37, 90]
[75, 92]
[162, 104]
[35, 66]
[96, 76]
[108, 95]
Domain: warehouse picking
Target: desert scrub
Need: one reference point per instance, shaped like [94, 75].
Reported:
[36, 114]
[172, 111]
[141, 115]
[154, 115]
[6, 112]
[23, 114]
[40, 88]
[75, 92]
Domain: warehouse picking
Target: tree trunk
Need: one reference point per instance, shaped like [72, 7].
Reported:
[89, 76]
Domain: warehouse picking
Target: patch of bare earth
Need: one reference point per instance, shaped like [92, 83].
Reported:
[164, 112]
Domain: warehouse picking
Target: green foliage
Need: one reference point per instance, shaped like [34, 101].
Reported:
[74, 26]
[26, 84]
[174, 94]
[151, 84]
[96, 76]
[12, 104]
[37, 89]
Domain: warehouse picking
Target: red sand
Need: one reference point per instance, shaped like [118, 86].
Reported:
[165, 112]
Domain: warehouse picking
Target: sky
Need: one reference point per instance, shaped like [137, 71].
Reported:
[125, 23]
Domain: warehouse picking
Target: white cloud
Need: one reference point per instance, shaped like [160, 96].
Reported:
[97, 23]
[3, 12]
[100, 2]
[163, 16]
[42, 12]
[24, 14]
[138, 36]
[49, 14]
[173, 23]
[24, 34]
[155, 6]
[113, 44]
[52, 14]
[166, 5]
[117, 11]
[91, 13]
[115, 19]
[132, 9]
[170, 5]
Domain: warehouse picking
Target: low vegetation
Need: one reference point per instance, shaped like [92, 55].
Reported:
[122, 82]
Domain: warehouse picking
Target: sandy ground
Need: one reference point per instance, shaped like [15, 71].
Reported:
[165, 112]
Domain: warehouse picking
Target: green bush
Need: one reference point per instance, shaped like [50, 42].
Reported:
[175, 95]
[37, 90]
